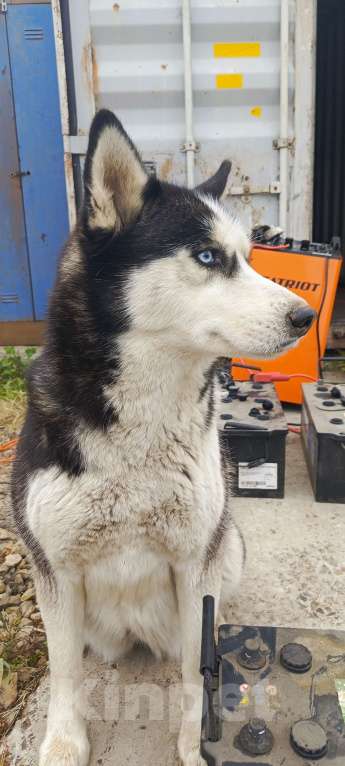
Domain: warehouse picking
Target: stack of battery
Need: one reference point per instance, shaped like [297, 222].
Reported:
[323, 439]
[253, 432]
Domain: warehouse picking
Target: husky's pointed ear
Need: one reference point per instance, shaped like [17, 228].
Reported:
[114, 175]
[217, 183]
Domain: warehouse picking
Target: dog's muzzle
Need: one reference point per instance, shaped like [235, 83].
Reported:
[301, 320]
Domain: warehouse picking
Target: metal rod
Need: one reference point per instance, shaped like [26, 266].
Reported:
[188, 92]
[284, 113]
[64, 111]
[208, 649]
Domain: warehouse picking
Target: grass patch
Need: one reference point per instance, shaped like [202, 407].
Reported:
[9, 627]
[334, 366]
[13, 367]
[5, 758]
[12, 413]
[24, 664]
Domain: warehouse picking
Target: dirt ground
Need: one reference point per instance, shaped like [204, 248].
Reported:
[23, 650]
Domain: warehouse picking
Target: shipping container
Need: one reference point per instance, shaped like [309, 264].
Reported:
[194, 82]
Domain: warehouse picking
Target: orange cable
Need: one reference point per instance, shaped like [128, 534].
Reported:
[294, 429]
[8, 445]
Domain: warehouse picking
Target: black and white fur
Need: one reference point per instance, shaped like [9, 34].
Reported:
[118, 488]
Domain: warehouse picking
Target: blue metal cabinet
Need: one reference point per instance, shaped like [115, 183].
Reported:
[31, 53]
[35, 91]
[15, 283]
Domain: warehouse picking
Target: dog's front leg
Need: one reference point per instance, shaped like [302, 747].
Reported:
[62, 607]
[192, 585]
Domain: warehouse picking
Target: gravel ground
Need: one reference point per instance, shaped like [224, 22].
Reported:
[23, 650]
[11, 418]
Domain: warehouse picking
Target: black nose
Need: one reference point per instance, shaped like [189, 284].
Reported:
[302, 318]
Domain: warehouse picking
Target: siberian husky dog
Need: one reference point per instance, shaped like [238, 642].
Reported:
[118, 487]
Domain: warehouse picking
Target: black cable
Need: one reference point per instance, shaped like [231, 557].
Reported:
[246, 366]
[326, 267]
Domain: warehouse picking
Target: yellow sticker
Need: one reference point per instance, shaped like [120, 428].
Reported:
[229, 81]
[236, 50]
[256, 111]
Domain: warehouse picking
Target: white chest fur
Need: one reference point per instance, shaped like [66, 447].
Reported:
[153, 480]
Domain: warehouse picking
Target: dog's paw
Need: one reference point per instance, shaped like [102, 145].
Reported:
[193, 758]
[65, 748]
[189, 753]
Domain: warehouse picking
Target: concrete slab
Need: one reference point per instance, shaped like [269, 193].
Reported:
[295, 575]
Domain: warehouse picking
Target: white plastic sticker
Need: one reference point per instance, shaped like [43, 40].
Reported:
[260, 477]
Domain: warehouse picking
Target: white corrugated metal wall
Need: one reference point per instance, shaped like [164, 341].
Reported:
[128, 56]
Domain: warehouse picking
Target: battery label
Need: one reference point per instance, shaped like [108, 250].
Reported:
[260, 477]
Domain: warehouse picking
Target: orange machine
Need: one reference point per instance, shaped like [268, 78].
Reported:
[312, 271]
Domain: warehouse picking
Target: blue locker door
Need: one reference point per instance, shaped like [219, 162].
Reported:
[35, 92]
[15, 287]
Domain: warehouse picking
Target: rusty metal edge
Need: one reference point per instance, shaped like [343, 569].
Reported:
[25, 333]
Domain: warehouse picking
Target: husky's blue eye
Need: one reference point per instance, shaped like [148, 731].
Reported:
[206, 257]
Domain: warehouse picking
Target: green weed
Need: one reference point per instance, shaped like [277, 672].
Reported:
[13, 366]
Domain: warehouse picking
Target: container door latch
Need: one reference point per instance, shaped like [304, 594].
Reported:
[20, 173]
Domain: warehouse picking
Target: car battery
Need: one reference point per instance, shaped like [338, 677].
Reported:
[323, 439]
[272, 696]
[253, 432]
[311, 270]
